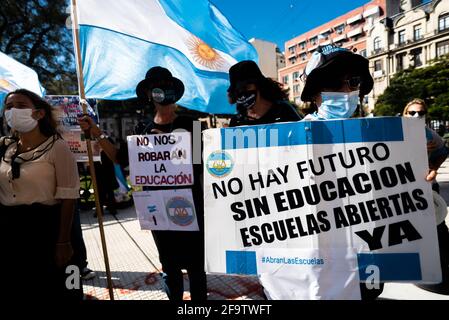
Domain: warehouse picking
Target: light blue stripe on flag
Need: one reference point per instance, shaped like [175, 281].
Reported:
[392, 266]
[313, 132]
[241, 262]
[120, 42]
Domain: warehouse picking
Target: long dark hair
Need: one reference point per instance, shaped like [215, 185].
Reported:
[272, 90]
[47, 125]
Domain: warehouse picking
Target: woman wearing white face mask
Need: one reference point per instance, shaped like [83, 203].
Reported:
[39, 183]
[336, 79]
[437, 154]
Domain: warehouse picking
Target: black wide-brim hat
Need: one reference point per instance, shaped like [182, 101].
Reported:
[330, 63]
[158, 77]
[243, 73]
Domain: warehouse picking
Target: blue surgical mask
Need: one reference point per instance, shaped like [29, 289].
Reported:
[338, 105]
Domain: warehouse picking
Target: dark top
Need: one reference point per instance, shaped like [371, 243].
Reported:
[280, 112]
[178, 248]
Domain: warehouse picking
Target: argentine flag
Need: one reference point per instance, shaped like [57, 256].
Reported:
[121, 40]
[14, 75]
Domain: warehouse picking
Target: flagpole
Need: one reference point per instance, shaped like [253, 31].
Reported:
[89, 148]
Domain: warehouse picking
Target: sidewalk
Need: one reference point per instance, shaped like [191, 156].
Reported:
[135, 265]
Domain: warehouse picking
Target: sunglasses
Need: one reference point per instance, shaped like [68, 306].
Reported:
[420, 113]
[353, 83]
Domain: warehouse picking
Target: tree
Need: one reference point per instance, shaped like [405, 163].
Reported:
[34, 32]
[430, 84]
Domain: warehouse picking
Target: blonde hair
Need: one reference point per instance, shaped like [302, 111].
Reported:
[421, 102]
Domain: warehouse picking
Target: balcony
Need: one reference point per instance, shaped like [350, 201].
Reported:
[371, 11]
[378, 73]
[354, 19]
[340, 38]
[377, 51]
[355, 32]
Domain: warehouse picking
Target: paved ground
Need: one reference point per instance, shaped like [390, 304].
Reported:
[135, 265]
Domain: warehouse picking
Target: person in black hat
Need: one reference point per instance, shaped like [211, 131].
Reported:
[336, 80]
[177, 249]
[259, 100]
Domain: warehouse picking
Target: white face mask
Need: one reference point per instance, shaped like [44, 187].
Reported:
[338, 105]
[20, 119]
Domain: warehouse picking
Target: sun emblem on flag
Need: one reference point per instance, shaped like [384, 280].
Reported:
[205, 54]
[7, 86]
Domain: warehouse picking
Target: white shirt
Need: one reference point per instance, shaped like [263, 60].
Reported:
[48, 173]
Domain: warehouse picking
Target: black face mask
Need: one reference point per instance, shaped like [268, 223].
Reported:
[247, 99]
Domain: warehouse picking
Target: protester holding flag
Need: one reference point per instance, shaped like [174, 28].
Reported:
[437, 152]
[177, 249]
[39, 185]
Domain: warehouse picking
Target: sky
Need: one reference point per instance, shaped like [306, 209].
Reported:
[281, 20]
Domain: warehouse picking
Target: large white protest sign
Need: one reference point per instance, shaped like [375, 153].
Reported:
[161, 159]
[322, 187]
[166, 210]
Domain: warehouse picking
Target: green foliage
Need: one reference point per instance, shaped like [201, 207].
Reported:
[430, 84]
[34, 32]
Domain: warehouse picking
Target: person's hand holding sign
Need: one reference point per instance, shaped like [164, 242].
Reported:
[431, 175]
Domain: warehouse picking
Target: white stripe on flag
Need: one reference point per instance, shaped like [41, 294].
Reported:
[137, 18]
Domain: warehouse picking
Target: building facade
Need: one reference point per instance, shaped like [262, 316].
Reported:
[271, 59]
[349, 31]
[412, 36]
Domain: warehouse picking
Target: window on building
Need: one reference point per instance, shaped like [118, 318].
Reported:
[296, 88]
[314, 41]
[324, 35]
[302, 45]
[292, 60]
[442, 48]
[416, 56]
[378, 65]
[285, 79]
[401, 37]
[400, 58]
[295, 75]
[417, 32]
[303, 56]
[292, 50]
[363, 53]
[377, 44]
[443, 22]
[340, 29]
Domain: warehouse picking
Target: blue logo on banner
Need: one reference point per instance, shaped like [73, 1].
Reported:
[219, 164]
[180, 211]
